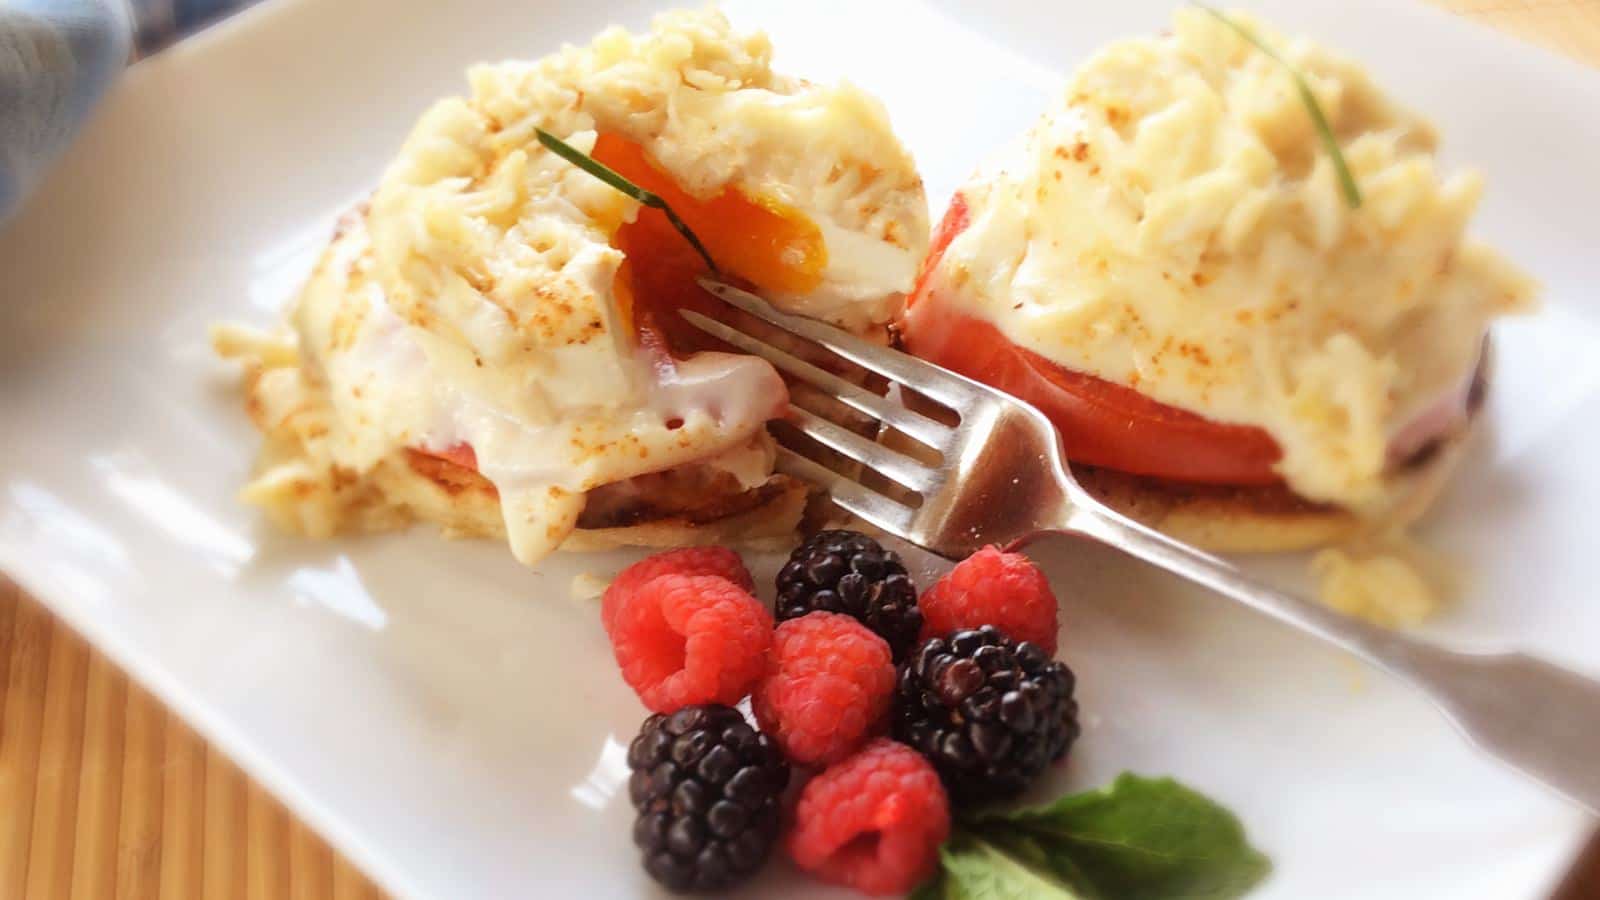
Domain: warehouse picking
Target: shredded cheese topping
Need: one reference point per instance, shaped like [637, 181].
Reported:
[1173, 225]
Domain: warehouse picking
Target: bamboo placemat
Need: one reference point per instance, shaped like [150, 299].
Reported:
[104, 795]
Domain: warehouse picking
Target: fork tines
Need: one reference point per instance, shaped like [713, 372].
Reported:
[800, 459]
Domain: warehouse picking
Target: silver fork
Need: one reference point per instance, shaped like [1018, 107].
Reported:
[1003, 480]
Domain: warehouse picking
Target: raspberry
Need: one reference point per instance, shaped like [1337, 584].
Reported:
[687, 639]
[873, 822]
[828, 686]
[684, 561]
[994, 588]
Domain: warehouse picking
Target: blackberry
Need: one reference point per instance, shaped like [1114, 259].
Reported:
[848, 572]
[988, 712]
[707, 787]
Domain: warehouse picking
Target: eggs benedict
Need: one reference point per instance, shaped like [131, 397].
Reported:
[1169, 266]
[491, 344]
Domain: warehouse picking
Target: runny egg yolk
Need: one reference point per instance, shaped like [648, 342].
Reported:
[759, 242]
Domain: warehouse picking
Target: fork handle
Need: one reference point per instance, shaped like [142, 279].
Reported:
[1537, 717]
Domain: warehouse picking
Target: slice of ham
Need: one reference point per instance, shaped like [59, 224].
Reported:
[1443, 415]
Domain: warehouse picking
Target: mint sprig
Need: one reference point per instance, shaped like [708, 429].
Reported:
[1137, 839]
[1347, 180]
[617, 180]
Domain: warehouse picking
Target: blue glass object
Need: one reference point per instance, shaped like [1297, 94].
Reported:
[58, 58]
[160, 22]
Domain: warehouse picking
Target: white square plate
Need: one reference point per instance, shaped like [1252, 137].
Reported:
[452, 721]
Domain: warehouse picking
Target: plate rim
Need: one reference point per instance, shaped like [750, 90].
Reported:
[145, 668]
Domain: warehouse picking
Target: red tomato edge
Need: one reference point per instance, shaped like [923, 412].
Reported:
[1102, 423]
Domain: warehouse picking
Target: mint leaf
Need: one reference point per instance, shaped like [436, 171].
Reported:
[979, 870]
[1138, 839]
[935, 888]
[1037, 856]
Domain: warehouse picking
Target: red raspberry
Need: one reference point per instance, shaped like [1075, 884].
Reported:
[688, 639]
[828, 686]
[989, 587]
[684, 561]
[873, 822]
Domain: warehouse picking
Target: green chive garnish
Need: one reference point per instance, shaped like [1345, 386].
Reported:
[1347, 181]
[615, 179]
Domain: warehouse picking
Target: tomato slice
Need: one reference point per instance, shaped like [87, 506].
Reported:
[1102, 423]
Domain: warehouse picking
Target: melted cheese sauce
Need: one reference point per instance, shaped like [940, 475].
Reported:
[1173, 225]
[393, 385]
[1387, 579]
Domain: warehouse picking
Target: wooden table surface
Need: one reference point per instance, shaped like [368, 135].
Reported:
[104, 794]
